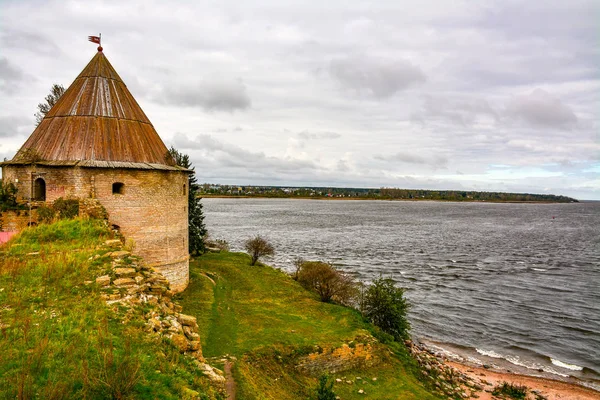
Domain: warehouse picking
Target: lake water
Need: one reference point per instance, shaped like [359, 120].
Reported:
[516, 286]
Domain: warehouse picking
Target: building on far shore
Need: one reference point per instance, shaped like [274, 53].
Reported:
[97, 143]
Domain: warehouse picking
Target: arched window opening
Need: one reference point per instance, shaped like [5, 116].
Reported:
[118, 188]
[184, 190]
[39, 190]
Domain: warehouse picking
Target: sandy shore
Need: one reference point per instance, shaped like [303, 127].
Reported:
[456, 377]
[548, 388]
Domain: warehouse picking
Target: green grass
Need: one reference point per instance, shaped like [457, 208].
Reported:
[267, 320]
[259, 306]
[59, 339]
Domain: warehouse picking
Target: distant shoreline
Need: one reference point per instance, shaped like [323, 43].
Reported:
[221, 196]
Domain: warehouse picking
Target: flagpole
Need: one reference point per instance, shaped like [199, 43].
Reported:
[100, 39]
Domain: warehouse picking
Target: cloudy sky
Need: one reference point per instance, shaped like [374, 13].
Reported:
[477, 95]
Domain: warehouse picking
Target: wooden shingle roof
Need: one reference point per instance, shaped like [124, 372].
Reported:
[96, 122]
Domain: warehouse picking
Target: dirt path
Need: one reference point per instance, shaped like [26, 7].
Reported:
[229, 382]
[209, 278]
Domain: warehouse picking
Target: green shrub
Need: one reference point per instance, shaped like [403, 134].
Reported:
[511, 390]
[8, 196]
[59, 209]
[66, 208]
[45, 214]
[325, 388]
[385, 306]
[330, 283]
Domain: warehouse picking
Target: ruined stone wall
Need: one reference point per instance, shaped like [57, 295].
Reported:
[16, 221]
[344, 358]
[152, 209]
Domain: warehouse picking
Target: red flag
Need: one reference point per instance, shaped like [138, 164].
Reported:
[94, 39]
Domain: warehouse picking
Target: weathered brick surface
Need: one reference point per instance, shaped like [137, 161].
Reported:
[16, 221]
[152, 210]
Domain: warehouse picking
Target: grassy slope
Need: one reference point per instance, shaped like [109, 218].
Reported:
[59, 339]
[264, 318]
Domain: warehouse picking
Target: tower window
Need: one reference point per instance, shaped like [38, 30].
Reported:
[184, 190]
[39, 190]
[118, 188]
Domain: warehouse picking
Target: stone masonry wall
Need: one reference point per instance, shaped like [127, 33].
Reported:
[16, 221]
[152, 209]
[360, 355]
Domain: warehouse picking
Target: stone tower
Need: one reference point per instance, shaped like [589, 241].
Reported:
[96, 142]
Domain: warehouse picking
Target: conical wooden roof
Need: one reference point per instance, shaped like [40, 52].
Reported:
[96, 122]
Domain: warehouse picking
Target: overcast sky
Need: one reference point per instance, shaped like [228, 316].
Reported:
[474, 95]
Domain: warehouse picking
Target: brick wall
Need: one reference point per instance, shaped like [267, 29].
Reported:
[151, 208]
[16, 221]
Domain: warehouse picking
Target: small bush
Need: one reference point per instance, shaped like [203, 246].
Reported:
[330, 283]
[385, 306]
[258, 247]
[511, 390]
[59, 209]
[66, 208]
[45, 214]
[325, 388]
[8, 196]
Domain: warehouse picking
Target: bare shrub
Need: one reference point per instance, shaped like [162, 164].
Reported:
[331, 284]
[258, 247]
[297, 266]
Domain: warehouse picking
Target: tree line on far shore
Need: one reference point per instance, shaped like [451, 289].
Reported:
[377, 194]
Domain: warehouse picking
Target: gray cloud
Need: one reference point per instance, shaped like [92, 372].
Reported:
[305, 135]
[232, 156]
[210, 95]
[12, 126]
[10, 76]
[31, 41]
[376, 77]
[433, 160]
[540, 108]
[463, 111]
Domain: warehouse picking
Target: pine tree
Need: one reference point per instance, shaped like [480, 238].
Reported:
[197, 230]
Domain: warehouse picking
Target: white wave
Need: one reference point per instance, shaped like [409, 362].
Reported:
[444, 351]
[561, 364]
[539, 269]
[489, 353]
[454, 261]
[516, 360]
